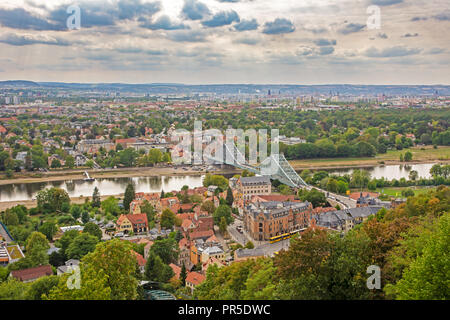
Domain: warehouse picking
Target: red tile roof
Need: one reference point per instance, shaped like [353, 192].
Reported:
[176, 269]
[32, 273]
[139, 258]
[195, 278]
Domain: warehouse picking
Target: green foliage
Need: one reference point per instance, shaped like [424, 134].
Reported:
[81, 245]
[216, 180]
[169, 219]
[130, 195]
[222, 211]
[52, 200]
[157, 270]
[93, 229]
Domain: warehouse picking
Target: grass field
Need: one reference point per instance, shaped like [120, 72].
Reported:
[397, 192]
[429, 154]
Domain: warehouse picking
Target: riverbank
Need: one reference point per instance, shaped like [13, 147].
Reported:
[427, 155]
[392, 157]
[53, 176]
[33, 203]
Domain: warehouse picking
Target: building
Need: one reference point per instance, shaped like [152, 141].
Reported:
[193, 279]
[250, 186]
[266, 219]
[345, 220]
[136, 223]
[94, 145]
[245, 254]
[9, 254]
[32, 274]
[68, 266]
[141, 261]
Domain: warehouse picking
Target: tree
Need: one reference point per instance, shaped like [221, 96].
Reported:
[41, 287]
[130, 195]
[216, 180]
[81, 245]
[96, 198]
[115, 259]
[70, 162]
[223, 226]
[156, 270]
[168, 219]
[111, 206]
[149, 210]
[427, 276]
[249, 245]
[314, 196]
[166, 249]
[52, 200]
[183, 275]
[208, 206]
[408, 156]
[75, 211]
[93, 286]
[223, 211]
[85, 217]
[13, 289]
[49, 229]
[93, 229]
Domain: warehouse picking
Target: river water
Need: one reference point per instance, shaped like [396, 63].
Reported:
[115, 186]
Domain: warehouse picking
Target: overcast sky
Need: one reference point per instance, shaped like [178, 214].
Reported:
[226, 41]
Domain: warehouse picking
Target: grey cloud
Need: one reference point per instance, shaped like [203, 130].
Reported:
[397, 51]
[385, 2]
[324, 42]
[323, 51]
[279, 26]
[419, 19]
[248, 41]
[246, 25]
[351, 28]
[436, 51]
[23, 40]
[163, 23]
[194, 10]
[222, 19]
[410, 35]
[22, 19]
[445, 16]
[188, 36]
[382, 35]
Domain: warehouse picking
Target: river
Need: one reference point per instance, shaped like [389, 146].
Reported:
[115, 186]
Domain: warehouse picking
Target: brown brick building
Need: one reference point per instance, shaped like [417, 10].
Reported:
[263, 220]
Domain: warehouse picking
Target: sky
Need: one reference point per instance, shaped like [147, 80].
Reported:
[227, 41]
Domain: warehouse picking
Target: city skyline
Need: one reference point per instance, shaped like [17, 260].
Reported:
[226, 41]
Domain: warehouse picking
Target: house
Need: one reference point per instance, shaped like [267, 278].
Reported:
[9, 253]
[32, 274]
[67, 267]
[136, 223]
[193, 279]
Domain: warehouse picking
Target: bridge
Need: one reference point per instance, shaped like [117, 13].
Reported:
[276, 167]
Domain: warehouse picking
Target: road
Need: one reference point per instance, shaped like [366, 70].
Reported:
[344, 201]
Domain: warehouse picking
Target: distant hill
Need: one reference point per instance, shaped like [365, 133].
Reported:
[175, 88]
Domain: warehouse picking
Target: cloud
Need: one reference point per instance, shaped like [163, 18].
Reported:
[248, 41]
[410, 35]
[442, 16]
[436, 51]
[152, 52]
[22, 19]
[163, 23]
[419, 18]
[246, 25]
[130, 9]
[382, 35]
[323, 51]
[194, 10]
[324, 42]
[30, 39]
[279, 26]
[188, 36]
[222, 19]
[397, 51]
[351, 28]
[96, 14]
[385, 2]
